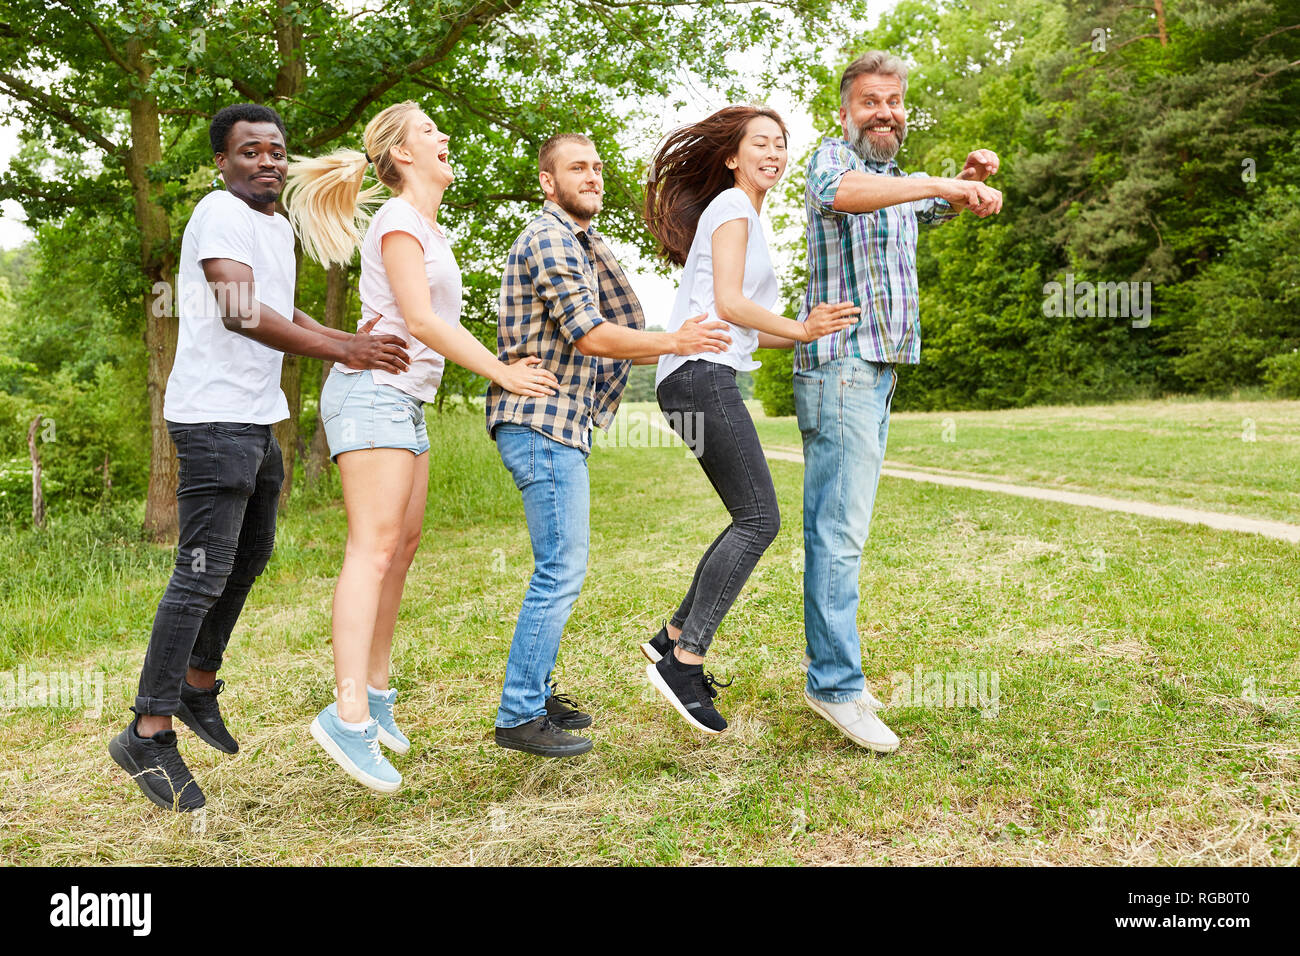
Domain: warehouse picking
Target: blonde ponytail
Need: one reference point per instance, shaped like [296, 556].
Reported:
[326, 204]
[325, 198]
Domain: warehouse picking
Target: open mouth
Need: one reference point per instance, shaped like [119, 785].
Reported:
[882, 130]
[770, 170]
[444, 154]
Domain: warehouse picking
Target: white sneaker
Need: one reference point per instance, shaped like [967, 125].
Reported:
[867, 696]
[857, 721]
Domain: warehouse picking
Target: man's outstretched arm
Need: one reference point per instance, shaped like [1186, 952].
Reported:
[241, 312]
[860, 192]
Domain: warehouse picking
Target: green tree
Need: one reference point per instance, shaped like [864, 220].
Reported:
[118, 95]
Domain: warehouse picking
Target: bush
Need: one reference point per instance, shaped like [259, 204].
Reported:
[774, 382]
[1282, 374]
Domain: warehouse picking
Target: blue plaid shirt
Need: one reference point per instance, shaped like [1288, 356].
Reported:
[868, 259]
[560, 282]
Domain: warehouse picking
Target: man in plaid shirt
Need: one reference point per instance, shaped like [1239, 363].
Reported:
[564, 298]
[862, 228]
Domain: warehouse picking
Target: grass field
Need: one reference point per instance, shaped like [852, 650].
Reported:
[1146, 675]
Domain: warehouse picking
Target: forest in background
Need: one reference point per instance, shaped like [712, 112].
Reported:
[1151, 144]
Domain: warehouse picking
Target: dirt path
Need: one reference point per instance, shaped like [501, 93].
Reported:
[1213, 519]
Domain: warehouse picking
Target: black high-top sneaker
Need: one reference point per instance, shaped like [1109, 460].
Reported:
[200, 712]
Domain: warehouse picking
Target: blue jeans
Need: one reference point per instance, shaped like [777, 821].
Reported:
[843, 412]
[557, 501]
[357, 412]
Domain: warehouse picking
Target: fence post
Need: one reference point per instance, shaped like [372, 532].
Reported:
[38, 497]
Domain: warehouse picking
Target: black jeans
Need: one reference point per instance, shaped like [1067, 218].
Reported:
[229, 489]
[703, 405]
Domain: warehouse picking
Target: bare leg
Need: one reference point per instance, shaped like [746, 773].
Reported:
[376, 489]
[390, 596]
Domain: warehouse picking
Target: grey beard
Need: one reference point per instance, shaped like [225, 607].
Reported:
[867, 148]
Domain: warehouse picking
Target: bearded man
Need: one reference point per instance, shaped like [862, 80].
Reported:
[566, 299]
[862, 229]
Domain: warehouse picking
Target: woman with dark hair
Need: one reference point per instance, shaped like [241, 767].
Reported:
[707, 183]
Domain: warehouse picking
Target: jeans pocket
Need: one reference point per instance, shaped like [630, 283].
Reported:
[808, 403]
[518, 452]
[338, 386]
[181, 439]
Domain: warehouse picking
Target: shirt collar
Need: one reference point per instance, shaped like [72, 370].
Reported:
[884, 167]
[554, 209]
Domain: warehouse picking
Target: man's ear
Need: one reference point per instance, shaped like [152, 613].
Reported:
[220, 159]
[844, 116]
[547, 184]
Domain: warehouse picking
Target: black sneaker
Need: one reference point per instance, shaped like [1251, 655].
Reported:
[564, 712]
[156, 765]
[543, 738]
[659, 645]
[200, 712]
[690, 691]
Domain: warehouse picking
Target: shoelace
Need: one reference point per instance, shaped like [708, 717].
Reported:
[178, 775]
[712, 684]
[863, 708]
[373, 746]
[562, 698]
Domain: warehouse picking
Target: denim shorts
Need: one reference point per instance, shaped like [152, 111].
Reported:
[359, 413]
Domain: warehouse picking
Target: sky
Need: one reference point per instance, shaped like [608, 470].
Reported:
[655, 291]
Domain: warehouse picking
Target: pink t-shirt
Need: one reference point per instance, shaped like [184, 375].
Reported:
[425, 373]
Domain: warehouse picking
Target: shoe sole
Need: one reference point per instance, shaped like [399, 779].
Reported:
[351, 769]
[538, 751]
[392, 743]
[123, 759]
[660, 685]
[813, 703]
[653, 656]
[874, 705]
[186, 717]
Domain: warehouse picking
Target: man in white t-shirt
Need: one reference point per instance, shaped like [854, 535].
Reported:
[237, 318]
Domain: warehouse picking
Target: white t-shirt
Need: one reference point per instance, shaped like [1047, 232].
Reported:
[695, 294]
[220, 375]
[424, 374]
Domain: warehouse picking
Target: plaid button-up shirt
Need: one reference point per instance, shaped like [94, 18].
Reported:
[561, 282]
[868, 259]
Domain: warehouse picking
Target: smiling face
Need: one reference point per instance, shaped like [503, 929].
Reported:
[760, 159]
[255, 163]
[425, 151]
[874, 119]
[577, 182]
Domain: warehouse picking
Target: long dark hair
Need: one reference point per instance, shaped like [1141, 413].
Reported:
[689, 171]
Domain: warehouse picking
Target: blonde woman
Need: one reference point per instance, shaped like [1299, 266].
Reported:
[374, 421]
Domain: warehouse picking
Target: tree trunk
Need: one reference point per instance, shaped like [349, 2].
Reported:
[1160, 22]
[336, 307]
[286, 432]
[157, 261]
[290, 80]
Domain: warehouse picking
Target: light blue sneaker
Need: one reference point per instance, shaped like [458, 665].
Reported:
[356, 751]
[381, 709]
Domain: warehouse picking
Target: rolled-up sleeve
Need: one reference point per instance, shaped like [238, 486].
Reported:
[825, 170]
[556, 264]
